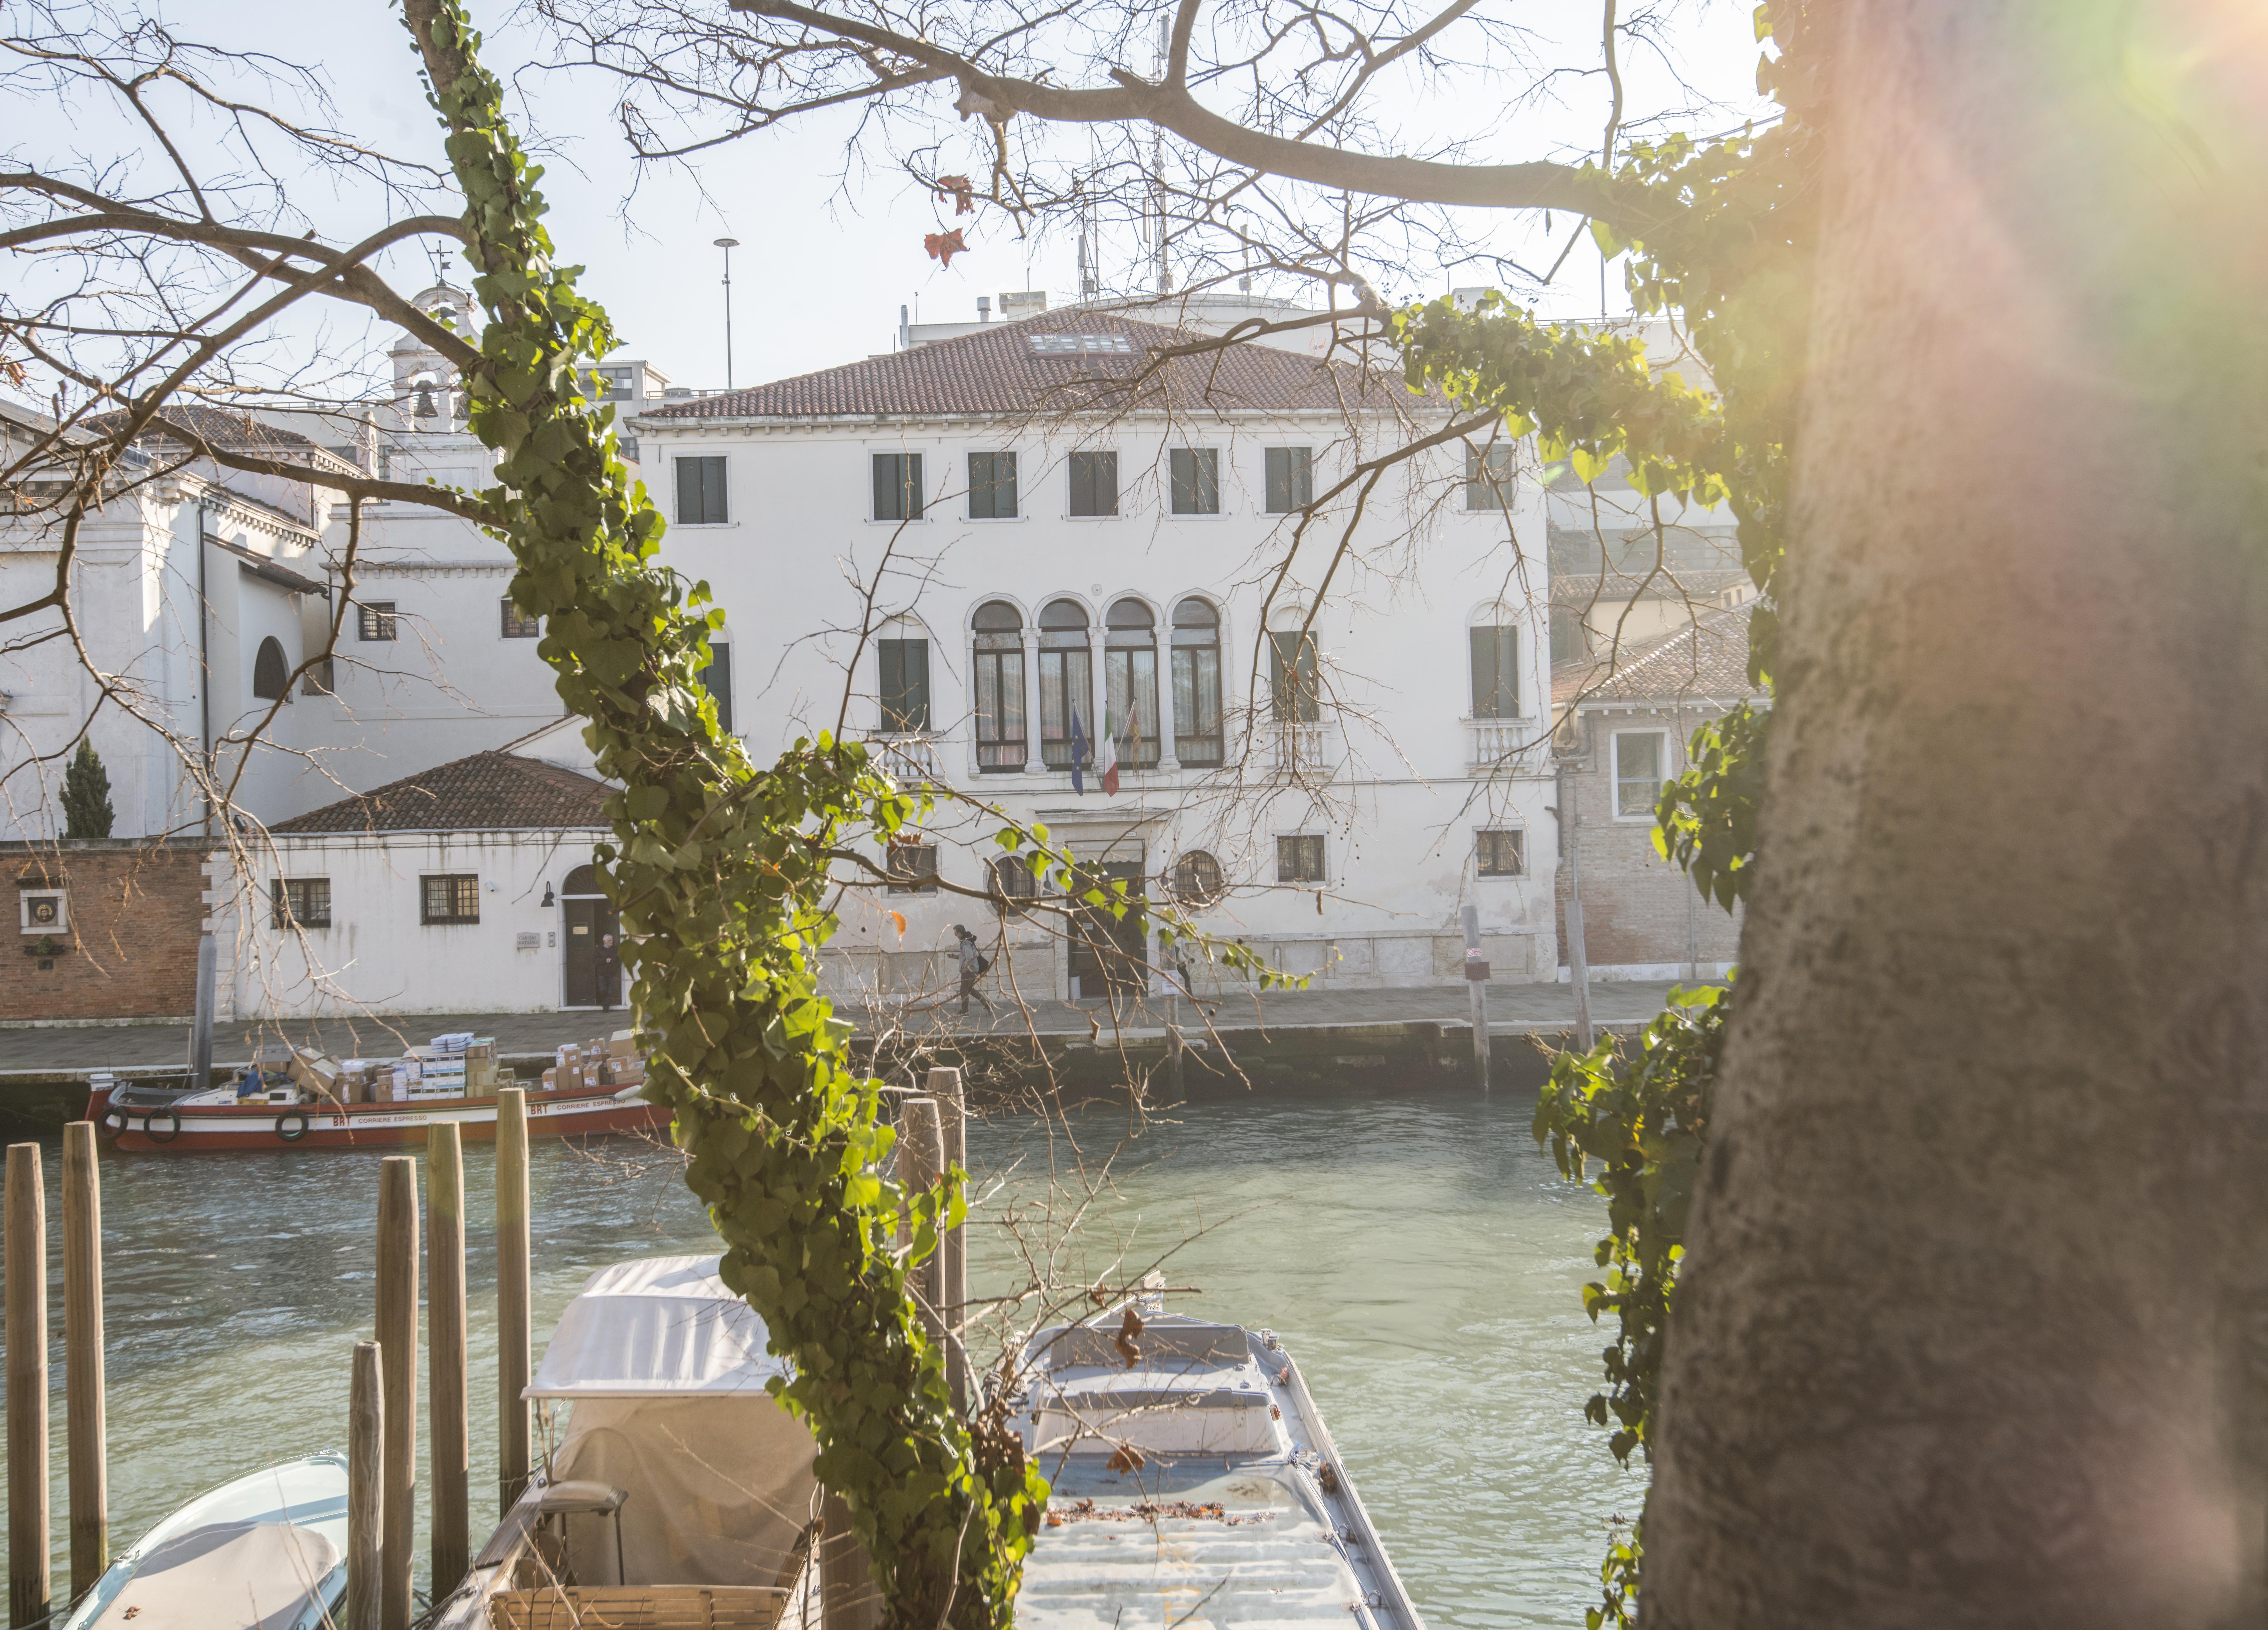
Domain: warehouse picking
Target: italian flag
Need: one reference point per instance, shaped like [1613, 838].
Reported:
[1106, 755]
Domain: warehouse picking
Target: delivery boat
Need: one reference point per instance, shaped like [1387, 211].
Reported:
[318, 1102]
[268, 1552]
[1193, 1481]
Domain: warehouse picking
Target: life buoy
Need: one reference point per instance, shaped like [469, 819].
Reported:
[114, 1121]
[150, 1125]
[300, 1115]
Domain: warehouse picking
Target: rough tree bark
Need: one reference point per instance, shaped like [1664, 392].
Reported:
[1962, 1337]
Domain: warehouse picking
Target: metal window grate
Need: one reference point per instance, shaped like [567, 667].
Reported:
[374, 620]
[1503, 852]
[515, 625]
[1299, 860]
[913, 868]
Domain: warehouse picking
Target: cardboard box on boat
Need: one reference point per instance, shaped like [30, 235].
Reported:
[480, 1075]
[313, 1071]
[623, 1044]
[551, 1079]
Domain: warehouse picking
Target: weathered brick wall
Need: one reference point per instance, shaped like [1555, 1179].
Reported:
[1638, 908]
[136, 910]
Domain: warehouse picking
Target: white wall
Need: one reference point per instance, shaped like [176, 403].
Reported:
[377, 954]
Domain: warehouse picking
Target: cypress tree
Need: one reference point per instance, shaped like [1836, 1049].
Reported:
[86, 795]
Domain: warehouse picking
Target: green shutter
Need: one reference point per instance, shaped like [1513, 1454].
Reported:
[886, 487]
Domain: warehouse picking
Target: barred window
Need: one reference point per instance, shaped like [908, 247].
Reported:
[1299, 860]
[303, 903]
[1503, 853]
[374, 619]
[519, 627]
[1012, 878]
[1197, 879]
[453, 898]
[913, 868]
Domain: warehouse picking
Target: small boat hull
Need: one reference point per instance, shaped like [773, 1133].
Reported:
[204, 1129]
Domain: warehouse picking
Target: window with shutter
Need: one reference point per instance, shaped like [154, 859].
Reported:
[701, 492]
[1292, 683]
[905, 685]
[1488, 477]
[717, 679]
[1195, 473]
[1095, 484]
[897, 486]
[1496, 671]
[991, 486]
[1291, 479]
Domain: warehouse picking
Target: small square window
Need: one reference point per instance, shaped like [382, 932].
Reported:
[701, 492]
[897, 486]
[1503, 853]
[519, 627]
[1012, 878]
[1641, 766]
[302, 901]
[374, 620]
[1291, 479]
[1095, 484]
[453, 898]
[991, 486]
[1195, 473]
[1299, 860]
[1488, 477]
[913, 868]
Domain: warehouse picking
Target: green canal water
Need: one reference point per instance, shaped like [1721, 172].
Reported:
[1417, 1253]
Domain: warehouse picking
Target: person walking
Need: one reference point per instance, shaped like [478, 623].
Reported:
[974, 963]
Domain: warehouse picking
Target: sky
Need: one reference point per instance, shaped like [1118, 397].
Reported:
[827, 260]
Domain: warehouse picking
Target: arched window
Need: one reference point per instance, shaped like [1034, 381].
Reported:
[584, 880]
[999, 665]
[1196, 683]
[1129, 683]
[272, 674]
[1197, 880]
[1066, 682]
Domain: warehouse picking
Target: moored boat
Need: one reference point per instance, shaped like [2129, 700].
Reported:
[266, 1551]
[188, 1122]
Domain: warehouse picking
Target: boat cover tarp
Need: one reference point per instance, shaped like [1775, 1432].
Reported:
[666, 1327]
[224, 1576]
[719, 1488]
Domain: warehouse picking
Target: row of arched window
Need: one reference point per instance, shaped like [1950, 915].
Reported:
[1069, 712]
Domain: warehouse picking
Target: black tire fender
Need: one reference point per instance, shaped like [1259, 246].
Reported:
[114, 1121]
[292, 1136]
[150, 1125]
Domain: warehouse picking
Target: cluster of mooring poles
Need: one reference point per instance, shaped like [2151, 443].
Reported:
[932, 1136]
[382, 1411]
[29, 1586]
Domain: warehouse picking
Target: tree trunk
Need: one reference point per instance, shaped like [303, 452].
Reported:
[1962, 1336]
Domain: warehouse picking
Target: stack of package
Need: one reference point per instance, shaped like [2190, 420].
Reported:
[613, 1062]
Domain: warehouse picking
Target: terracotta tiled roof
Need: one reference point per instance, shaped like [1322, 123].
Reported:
[489, 792]
[215, 426]
[1707, 659]
[1069, 359]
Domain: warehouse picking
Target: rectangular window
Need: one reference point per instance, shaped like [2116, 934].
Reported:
[1503, 853]
[1291, 479]
[905, 685]
[1292, 688]
[913, 868]
[374, 619]
[991, 486]
[1488, 477]
[1641, 766]
[1095, 484]
[701, 492]
[1196, 480]
[516, 626]
[717, 678]
[1299, 860]
[1496, 672]
[454, 898]
[897, 486]
[302, 901]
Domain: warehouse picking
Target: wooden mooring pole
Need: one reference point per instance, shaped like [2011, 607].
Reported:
[397, 1341]
[513, 1256]
[27, 1254]
[444, 1352]
[953, 1293]
[85, 1432]
[1476, 974]
[921, 1156]
[848, 1599]
[365, 1489]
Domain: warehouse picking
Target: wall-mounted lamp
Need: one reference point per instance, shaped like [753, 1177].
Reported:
[546, 894]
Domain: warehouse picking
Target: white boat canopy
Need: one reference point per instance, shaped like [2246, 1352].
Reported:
[666, 1327]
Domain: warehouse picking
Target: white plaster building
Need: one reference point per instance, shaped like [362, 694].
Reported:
[953, 549]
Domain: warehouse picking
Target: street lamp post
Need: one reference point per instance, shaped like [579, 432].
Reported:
[728, 245]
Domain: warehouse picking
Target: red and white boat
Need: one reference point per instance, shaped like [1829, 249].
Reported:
[138, 1118]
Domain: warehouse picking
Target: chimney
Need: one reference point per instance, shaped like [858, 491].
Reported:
[984, 308]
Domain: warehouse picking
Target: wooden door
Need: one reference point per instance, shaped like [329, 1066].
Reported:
[594, 961]
[1111, 953]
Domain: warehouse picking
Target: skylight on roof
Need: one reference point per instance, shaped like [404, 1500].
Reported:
[1079, 345]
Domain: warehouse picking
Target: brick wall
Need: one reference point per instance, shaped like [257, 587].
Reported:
[136, 910]
[1638, 908]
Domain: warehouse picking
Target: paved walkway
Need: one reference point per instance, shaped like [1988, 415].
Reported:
[48, 1052]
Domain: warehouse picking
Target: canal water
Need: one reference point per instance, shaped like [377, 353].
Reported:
[1417, 1253]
